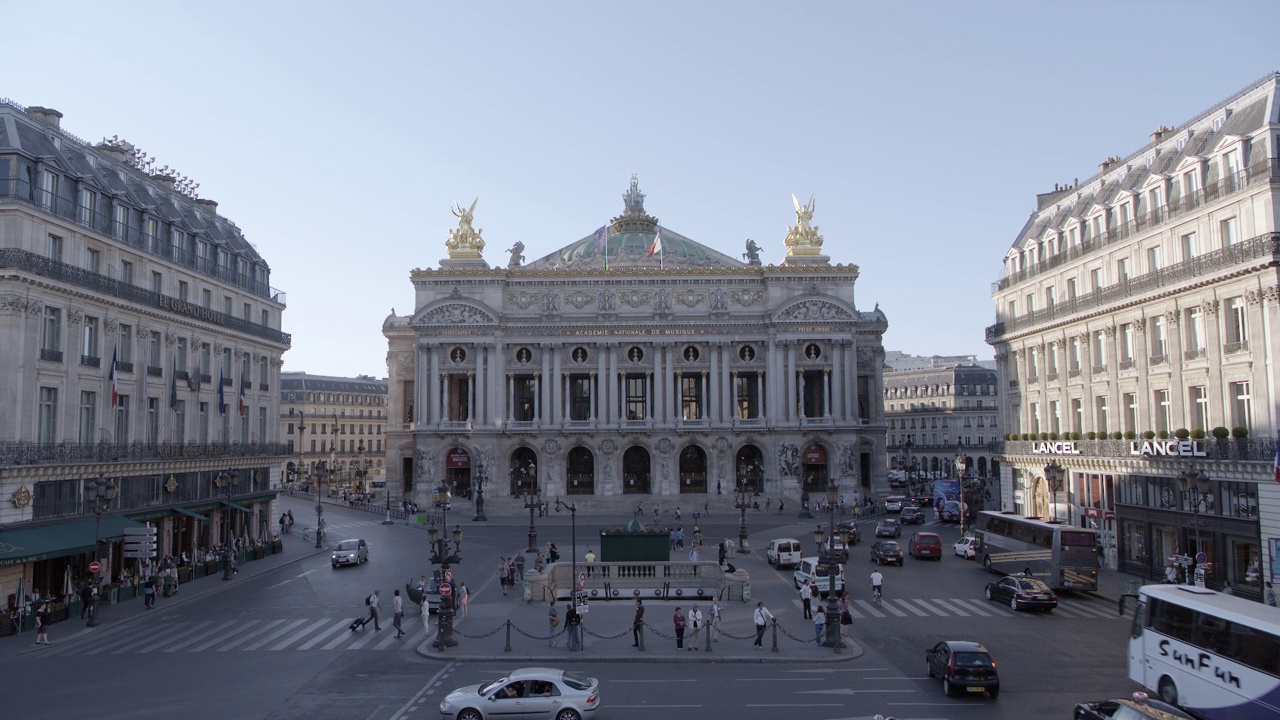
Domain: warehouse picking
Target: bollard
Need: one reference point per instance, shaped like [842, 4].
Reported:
[708, 629]
[508, 647]
[641, 628]
[775, 635]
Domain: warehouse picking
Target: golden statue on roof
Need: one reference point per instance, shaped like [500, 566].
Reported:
[464, 241]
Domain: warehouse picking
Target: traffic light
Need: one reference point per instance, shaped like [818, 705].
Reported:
[140, 542]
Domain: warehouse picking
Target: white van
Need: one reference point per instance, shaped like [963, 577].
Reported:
[811, 569]
[783, 552]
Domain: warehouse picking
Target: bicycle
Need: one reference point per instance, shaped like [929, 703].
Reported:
[875, 594]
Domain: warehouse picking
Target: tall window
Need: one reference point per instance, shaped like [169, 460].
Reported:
[1241, 405]
[525, 388]
[636, 397]
[226, 364]
[202, 423]
[183, 290]
[120, 228]
[1122, 269]
[153, 420]
[1191, 182]
[1099, 350]
[1162, 409]
[1153, 259]
[1074, 359]
[1052, 357]
[180, 422]
[1129, 403]
[124, 343]
[1195, 331]
[206, 299]
[1071, 289]
[1229, 231]
[1077, 415]
[206, 353]
[1055, 417]
[90, 346]
[1100, 413]
[1033, 364]
[1126, 342]
[88, 416]
[51, 337]
[1159, 341]
[88, 207]
[1035, 417]
[1198, 401]
[580, 397]
[1095, 279]
[153, 349]
[1189, 250]
[182, 354]
[93, 261]
[122, 419]
[262, 424]
[746, 388]
[47, 427]
[1237, 324]
[126, 272]
[157, 282]
[48, 190]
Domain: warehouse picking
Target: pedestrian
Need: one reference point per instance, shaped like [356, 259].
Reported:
[1269, 595]
[714, 628]
[637, 623]
[678, 620]
[768, 503]
[463, 596]
[397, 613]
[86, 597]
[695, 626]
[149, 593]
[762, 616]
[677, 513]
[511, 573]
[372, 602]
[502, 574]
[42, 624]
[693, 554]
[572, 623]
[1171, 574]
[819, 626]
[520, 567]
[779, 506]
[655, 514]
[538, 563]
[553, 554]
[806, 596]
[671, 539]
[290, 522]
[590, 557]
[553, 621]
[426, 617]
[846, 617]
[680, 537]
[284, 524]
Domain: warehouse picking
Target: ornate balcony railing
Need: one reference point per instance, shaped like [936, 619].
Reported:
[30, 453]
[153, 371]
[1050, 377]
[1099, 369]
[1073, 373]
[1235, 347]
[90, 361]
[1265, 246]
[1126, 364]
[124, 366]
[51, 355]
[1193, 354]
[1159, 359]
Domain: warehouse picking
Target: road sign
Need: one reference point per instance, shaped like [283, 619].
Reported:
[697, 515]
[1201, 558]
[580, 603]
[95, 566]
[448, 575]
[446, 590]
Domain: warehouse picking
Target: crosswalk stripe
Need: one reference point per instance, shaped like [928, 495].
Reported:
[930, 608]
[945, 606]
[129, 639]
[341, 624]
[910, 607]
[369, 635]
[971, 606]
[855, 612]
[1090, 611]
[171, 636]
[275, 635]
[344, 637]
[223, 638]
[189, 641]
[893, 609]
[300, 634]
[867, 606]
[246, 638]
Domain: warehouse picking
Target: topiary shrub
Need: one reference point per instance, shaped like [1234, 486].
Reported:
[1053, 436]
[1117, 435]
[1130, 435]
[1091, 435]
[1198, 433]
[1182, 433]
[1026, 436]
[1239, 432]
[1147, 435]
[1163, 434]
[1044, 436]
[1075, 436]
[1221, 433]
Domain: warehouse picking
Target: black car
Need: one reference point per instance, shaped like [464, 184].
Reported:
[886, 551]
[949, 512]
[1023, 593]
[889, 527]
[1139, 707]
[964, 667]
[849, 529]
[921, 502]
[912, 515]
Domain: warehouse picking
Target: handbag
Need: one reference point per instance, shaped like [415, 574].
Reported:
[555, 622]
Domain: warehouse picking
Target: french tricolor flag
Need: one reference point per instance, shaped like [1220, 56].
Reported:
[242, 408]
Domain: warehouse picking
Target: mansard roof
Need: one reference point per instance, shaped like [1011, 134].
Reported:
[630, 250]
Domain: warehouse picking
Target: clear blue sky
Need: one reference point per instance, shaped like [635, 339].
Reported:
[336, 135]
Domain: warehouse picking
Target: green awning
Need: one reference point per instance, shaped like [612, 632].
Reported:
[237, 506]
[259, 498]
[45, 542]
[188, 513]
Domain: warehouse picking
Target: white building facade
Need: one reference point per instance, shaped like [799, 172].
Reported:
[679, 376]
[1139, 308]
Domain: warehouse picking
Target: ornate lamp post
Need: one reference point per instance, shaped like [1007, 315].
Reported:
[742, 501]
[532, 498]
[573, 548]
[907, 446]
[1198, 489]
[482, 472]
[101, 491]
[960, 481]
[228, 484]
[445, 554]
[1053, 476]
[831, 560]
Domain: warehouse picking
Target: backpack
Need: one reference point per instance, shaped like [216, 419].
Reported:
[368, 600]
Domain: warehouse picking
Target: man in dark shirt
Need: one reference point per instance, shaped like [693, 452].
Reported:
[639, 620]
[573, 623]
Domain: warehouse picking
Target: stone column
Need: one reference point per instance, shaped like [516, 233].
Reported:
[837, 376]
[544, 386]
[557, 386]
[790, 378]
[432, 386]
[714, 398]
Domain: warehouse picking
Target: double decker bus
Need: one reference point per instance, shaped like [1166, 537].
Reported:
[1215, 655]
[1064, 557]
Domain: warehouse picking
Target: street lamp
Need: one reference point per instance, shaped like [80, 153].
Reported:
[906, 462]
[573, 552]
[532, 498]
[742, 501]
[445, 554]
[101, 491]
[482, 471]
[228, 485]
[1053, 476]
[829, 559]
[1197, 486]
[960, 483]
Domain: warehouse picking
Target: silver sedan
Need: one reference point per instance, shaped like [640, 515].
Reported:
[534, 693]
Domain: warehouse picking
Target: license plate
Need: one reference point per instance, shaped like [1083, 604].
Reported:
[976, 688]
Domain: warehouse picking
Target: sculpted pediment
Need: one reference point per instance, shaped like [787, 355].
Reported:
[454, 312]
[811, 309]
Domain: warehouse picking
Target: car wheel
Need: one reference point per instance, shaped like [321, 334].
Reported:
[929, 665]
[1168, 691]
[994, 692]
[947, 688]
[335, 566]
[1013, 603]
[986, 563]
[988, 593]
[470, 714]
[568, 714]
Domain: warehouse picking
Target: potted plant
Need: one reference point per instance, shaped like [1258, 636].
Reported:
[211, 565]
[1221, 433]
[1162, 434]
[1130, 435]
[1198, 433]
[1182, 433]
[277, 545]
[1091, 435]
[1147, 435]
[184, 573]
[1239, 432]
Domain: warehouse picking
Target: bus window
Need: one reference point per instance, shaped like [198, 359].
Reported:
[1172, 620]
[1256, 649]
[1211, 633]
[1139, 620]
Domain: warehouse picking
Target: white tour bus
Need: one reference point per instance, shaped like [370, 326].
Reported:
[1215, 655]
[1064, 557]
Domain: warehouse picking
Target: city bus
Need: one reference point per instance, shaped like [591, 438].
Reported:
[1215, 655]
[1064, 557]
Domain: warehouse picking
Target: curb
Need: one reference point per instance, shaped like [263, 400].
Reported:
[852, 652]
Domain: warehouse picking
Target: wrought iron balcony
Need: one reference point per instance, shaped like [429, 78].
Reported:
[51, 355]
[124, 366]
[90, 361]
[1126, 364]
[1159, 359]
[1193, 354]
[1235, 347]
[153, 371]
[31, 453]
[1099, 369]
[1073, 373]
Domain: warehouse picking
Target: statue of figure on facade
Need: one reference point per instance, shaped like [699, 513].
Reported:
[608, 301]
[550, 302]
[719, 300]
[517, 255]
[464, 241]
[752, 254]
[803, 239]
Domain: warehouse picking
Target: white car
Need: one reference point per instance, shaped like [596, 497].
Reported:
[350, 552]
[526, 693]
[964, 548]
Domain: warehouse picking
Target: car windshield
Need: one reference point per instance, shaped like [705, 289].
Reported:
[1029, 585]
[348, 545]
[577, 682]
[489, 687]
[889, 547]
[973, 660]
[929, 540]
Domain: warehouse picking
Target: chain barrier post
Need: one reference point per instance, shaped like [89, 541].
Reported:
[640, 634]
[708, 629]
[775, 635]
[508, 647]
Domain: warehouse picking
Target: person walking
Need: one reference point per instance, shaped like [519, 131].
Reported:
[1269, 595]
[714, 627]
[519, 567]
[819, 626]
[373, 610]
[846, 618]
[695, 626]
[573, 623]
[149, 594]
[553, 621]
[762, 616]
[636, 623]
[284, 524]
[397, 613]
[463, 596]
[502, 574]
[806, 597]
[42, 624]
[290, 522]
[86, 597]
[678, 620]
[426, 617]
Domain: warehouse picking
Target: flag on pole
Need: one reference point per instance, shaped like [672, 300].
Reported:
[173, 386]
[1278, 457]
[656, 247]
[115, 394]
[222, 397]
[242, 408]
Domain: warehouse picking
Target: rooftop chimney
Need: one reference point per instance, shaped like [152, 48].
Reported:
[209, 205]
[1107, 164]
[113, 152]
[1161, 133]
[48, 116]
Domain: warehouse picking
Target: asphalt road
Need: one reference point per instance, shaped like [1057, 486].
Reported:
[276, 646]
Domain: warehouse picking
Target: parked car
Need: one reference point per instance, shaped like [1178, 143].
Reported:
[964, 667]
[889, 527]
[350, 552]
[886, 551]
[783, 552]
[811, 569]
[949, 512]
[964, 548]
[432, 594]
[1023, 593]
[894, 503]
[912, 515]
[925, 545]
[1140, 706]
[537, 692]
[922, 502]
[850, 530]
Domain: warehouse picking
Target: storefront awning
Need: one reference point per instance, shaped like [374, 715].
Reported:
[258, 498]
[44, 542]
[237, 506]
[188, 513]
